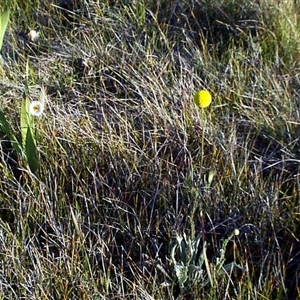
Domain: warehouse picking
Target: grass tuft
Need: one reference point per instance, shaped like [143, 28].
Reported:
[139, 191]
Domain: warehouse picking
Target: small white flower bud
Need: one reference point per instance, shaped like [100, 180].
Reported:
[236, 232]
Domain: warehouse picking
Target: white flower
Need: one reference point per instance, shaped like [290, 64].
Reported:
[36, 108]
[33, 35]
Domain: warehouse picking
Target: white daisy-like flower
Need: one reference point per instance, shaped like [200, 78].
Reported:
[36, 108]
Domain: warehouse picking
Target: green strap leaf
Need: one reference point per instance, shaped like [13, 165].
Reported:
[31, 151]
[28, 137]
[26, 119]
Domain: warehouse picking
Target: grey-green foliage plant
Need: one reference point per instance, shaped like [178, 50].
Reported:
[194, 267]
[189, 268]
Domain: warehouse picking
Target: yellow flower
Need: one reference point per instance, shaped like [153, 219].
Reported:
[202, 98]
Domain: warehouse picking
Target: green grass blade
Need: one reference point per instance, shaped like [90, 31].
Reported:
[5, 127]
[3, 23]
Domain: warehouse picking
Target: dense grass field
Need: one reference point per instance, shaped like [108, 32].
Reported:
[140, 194]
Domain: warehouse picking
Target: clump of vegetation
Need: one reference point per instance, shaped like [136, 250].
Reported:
[138, 191]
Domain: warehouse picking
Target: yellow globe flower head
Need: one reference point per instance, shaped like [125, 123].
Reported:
[202, 98]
